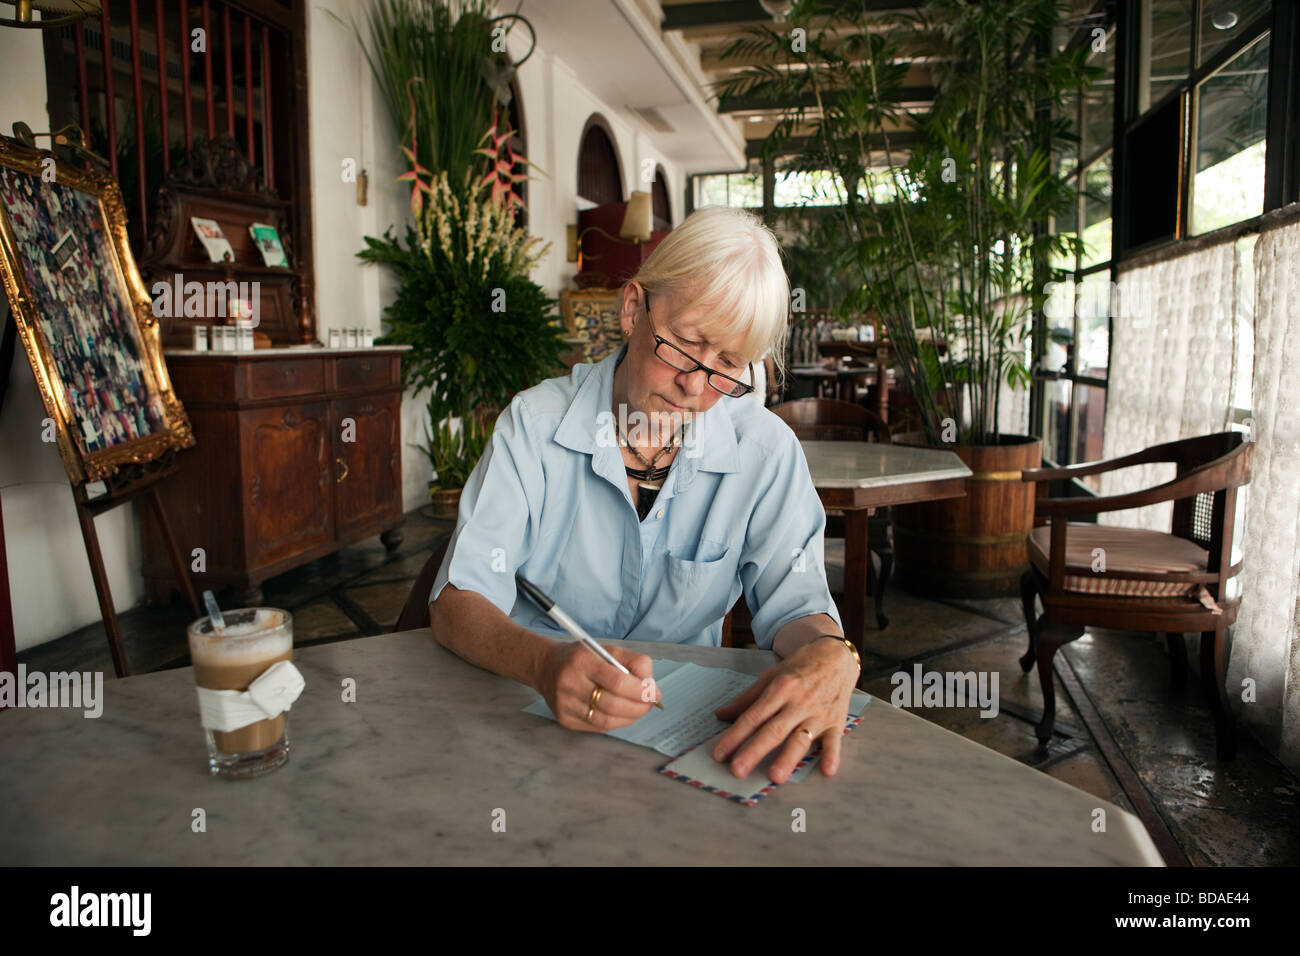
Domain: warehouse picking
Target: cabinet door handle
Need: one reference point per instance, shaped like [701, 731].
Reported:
[365, 366]
[288, 371]
[340, 475]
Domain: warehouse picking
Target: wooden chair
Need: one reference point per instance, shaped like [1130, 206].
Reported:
[1130, 579]
[415, 613]
[821, 419]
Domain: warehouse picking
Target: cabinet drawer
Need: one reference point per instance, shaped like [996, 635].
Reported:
[364, 371]
[281, 379]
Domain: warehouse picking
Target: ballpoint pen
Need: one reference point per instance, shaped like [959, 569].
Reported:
[570, 625]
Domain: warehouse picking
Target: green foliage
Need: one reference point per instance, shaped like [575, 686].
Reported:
[465, 352]
[962, 249]
[453, 454]
[435, 55]
[480, 329]
[817, 263]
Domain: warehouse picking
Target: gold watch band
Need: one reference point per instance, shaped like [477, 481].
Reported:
[857, 659]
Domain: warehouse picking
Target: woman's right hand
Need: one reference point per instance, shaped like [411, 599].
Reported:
[571, 672]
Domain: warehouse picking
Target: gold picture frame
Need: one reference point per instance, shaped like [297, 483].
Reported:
[84, 316]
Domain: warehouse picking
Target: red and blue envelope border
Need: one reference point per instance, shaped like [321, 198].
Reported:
[852, 721]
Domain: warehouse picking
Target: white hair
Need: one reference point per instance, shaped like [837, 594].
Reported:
[725, 260]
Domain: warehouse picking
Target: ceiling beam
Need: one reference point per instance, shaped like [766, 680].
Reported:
[684, 16]
[739, 13]
[757, 104]
[901, 140]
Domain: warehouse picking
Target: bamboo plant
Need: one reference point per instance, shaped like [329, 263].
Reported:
[949, 243]
[480, 328]
[434, 55]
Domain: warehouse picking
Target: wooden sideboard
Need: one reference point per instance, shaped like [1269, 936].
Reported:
[298, 453]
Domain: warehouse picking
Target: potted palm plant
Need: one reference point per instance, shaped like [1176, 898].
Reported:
[950, 244]
[452, 455]
[479, 328]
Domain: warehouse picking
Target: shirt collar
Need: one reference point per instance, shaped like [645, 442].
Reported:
[713, 446]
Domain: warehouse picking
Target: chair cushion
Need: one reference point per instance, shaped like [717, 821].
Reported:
[1126, 550]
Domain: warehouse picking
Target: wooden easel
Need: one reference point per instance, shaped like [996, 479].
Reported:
[8, 645]
[130, 482]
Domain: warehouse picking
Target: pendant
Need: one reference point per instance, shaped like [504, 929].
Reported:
[645, 498]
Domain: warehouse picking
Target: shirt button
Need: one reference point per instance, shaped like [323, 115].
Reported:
[660, 514]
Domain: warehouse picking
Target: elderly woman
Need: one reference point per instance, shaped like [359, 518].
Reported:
[643, 493]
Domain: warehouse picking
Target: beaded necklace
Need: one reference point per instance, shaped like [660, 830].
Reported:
[649, 479]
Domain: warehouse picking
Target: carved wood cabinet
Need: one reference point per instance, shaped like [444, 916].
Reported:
[298, 453]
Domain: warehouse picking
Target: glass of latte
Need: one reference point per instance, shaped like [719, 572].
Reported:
[242, 740]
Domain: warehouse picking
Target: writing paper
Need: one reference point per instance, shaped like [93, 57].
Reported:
[690, 695]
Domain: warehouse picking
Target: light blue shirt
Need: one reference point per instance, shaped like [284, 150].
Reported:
[550, 498]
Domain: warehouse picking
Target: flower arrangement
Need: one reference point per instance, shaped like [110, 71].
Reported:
[479, 327]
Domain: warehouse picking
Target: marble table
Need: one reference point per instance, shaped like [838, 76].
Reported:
[858, 477]
[434, 750]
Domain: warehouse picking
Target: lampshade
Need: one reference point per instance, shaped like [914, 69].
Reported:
[638, 219]
[54, 13]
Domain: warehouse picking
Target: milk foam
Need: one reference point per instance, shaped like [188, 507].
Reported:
[261, 633]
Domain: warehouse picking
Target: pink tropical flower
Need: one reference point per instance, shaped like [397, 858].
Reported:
[502, 176]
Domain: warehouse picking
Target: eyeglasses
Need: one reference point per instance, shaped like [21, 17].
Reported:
[672, 355]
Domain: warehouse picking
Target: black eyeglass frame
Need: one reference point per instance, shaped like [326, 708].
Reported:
[708, 372]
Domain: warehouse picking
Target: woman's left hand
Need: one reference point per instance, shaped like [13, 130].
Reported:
[809, 690]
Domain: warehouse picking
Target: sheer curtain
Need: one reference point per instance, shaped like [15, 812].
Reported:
[1181, 359]
[1172, 368]
[1266, 638]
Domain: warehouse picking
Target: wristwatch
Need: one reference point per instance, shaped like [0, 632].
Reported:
[857, 659]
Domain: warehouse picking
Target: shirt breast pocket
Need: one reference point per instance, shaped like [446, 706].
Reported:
[698, 584]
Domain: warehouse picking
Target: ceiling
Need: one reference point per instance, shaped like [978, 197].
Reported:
[708, 28]
[661, 60]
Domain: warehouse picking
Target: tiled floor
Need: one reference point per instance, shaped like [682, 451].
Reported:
[1238, 813]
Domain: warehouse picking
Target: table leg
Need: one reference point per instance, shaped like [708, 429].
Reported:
[853, 607]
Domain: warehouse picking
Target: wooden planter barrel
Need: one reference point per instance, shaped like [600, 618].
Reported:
[971, 547]
[446, 502]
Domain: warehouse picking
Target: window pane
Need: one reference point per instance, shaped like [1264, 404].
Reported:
[711, 191]
[1096, 212]
[1056, 424]
[1092, 413]
[1231, 123]
[1166, 49]
[745, 190]
[814, 188]
[1066, 223]
[1068, 110]
[1222, 22]
[1058, 310]
[1099, 101]
[881, 183]
[1093, 311]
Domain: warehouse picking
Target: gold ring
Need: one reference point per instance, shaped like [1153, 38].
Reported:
[805, 730]
[595, 696]
[590, 711]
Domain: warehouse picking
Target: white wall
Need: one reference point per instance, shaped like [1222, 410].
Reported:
[556, 106]
[350, 121]
[49, 574]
